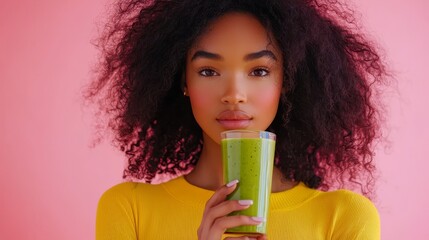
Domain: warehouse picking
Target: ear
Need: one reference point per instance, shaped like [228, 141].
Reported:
[183, 84]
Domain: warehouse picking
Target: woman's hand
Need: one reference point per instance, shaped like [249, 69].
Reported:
[215, 220]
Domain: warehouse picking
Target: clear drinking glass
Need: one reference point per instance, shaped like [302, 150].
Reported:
[248, 156]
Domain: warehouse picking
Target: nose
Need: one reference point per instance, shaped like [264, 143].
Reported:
[235, 91]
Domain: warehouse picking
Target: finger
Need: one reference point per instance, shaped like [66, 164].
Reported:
[218, 197]
[226, 208]
[241, 238]
[253, 237]
[220, 194]
[222, 210]
[221, 224]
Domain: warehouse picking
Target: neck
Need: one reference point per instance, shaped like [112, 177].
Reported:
[208, 173]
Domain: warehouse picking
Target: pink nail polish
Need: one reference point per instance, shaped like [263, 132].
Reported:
[258, 219]
[232, 183]
[245, 202]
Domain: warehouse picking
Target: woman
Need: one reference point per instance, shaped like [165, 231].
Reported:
[176, 73]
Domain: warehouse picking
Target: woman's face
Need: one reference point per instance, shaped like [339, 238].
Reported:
[234, 76]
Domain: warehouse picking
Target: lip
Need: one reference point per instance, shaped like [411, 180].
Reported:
[231, 119]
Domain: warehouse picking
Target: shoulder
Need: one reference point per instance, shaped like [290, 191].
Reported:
[127, 191]
[348, 201]
[123, 200]
[355, 215]
[118, 210]
[121, 190]
[342, 203]
[120, 195]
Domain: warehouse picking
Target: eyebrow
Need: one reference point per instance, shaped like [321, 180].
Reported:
[260, 54]
[248, 57]
[205, 54]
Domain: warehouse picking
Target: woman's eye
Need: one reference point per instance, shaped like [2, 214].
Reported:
[208, 73]
[260, 72]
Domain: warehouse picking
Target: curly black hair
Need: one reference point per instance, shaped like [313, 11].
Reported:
[327, 119]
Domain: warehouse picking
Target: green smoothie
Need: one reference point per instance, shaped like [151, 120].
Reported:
[250, 160]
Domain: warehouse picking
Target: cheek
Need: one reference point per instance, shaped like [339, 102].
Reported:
[268, 99]
[201, 101]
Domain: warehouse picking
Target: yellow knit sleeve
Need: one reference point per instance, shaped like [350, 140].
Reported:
[115, 213]
[359, 219]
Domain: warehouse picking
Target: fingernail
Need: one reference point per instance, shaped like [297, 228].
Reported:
[258, 219]
[232, 183]
[245, 202]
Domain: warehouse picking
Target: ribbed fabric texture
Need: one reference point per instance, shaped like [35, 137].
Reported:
[173, 210]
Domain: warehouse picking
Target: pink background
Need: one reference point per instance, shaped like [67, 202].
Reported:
[50, 180]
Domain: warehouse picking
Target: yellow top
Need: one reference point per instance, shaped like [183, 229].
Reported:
[173, 210]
